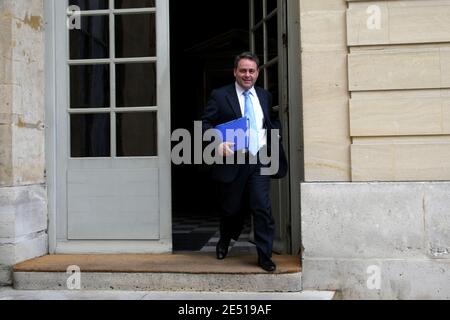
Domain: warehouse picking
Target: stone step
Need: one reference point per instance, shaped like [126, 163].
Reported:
[7, 293]
[167, 272]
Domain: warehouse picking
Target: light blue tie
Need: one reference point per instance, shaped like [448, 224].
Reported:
[253, 132]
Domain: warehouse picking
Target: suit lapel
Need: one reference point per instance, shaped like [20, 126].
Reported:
[234, 101]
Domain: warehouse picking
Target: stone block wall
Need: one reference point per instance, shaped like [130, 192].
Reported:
[325, 90]
[23, 199]
[376, 109]
[377, 240]
[375, 84]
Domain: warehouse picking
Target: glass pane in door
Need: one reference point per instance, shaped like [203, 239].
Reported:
[92, 40]
[136, 84]
[90, 135]
[272, 38]
[258, 10]
[137, 134]
[135, 36]
[89, 86]
[259, 43]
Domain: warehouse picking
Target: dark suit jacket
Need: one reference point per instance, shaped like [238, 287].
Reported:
[223, 106]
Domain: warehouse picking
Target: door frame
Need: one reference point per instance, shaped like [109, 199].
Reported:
[54, 169]
[291, 105]
[296, 172]
[295, 107]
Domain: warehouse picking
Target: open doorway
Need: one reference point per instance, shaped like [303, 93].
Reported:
[203, 47]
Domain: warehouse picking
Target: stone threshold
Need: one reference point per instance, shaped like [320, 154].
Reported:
[171, 272]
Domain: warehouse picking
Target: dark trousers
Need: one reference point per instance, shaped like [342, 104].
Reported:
[248, 194]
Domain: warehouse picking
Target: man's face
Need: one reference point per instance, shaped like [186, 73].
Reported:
[246, 73]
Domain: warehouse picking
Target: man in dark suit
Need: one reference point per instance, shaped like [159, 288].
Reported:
[242, 187]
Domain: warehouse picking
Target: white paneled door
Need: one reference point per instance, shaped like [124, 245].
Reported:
[112, 132]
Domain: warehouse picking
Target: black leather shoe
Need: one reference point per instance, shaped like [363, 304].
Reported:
[222, 248]
[267, 264]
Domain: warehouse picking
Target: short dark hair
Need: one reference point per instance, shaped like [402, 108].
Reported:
[246, 55]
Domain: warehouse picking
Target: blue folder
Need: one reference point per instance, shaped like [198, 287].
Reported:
[235, 132]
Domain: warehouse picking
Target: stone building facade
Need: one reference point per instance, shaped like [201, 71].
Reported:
[23, 194]
[375, 106]
[372, 167]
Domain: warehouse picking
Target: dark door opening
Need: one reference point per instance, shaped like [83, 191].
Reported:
[205, 38]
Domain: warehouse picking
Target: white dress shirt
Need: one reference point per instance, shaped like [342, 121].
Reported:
[259, 116]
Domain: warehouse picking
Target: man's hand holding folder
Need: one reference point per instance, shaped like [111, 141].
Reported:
[234, 136]
[226, 149]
